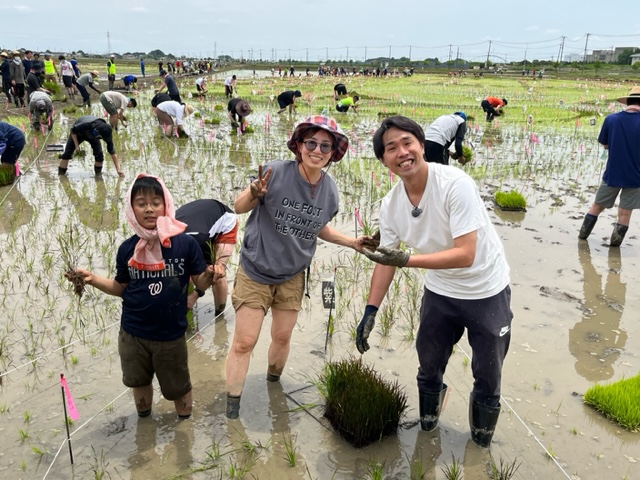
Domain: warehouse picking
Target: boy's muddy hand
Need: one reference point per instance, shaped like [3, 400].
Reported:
[387, 256]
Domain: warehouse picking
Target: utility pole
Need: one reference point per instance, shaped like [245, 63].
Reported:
[457, 56]
[327, 57]
[108, 43]
[307, 56]
[586, 43]
[347, 54]
[215, 50]
[486, 63]
[561, 51]
[289, 55]
[449, 52]
[365, 54]
[409, 53]
[389, 54]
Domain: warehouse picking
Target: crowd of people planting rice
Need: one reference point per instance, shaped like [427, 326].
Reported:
[362, 231]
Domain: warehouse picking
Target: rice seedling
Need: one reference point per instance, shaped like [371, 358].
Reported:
[70, 247]
[503, 470]
[617, 401]
[99, 464]
[375, 470]
[26, 416]
[23, 434]
[452, 471]
[289, 443]
[360, 405]
[7, 174]
[510, 200]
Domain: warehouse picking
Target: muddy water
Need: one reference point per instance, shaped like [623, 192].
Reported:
[574, 304]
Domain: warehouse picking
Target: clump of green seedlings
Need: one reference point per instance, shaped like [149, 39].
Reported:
[359, 403]
[618, 401]
[70, 110]
[217, 108]
[510, 200]
[503, 470]
[7, 174]
[212, 121]
[467, 153]
[53, 87]
[249, 129]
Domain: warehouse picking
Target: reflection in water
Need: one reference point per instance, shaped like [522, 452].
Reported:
[596, 341]
[98, 214]
[426, 453]
[239, 153]
[15, 211]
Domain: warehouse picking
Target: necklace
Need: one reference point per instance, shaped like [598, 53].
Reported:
[313, 186]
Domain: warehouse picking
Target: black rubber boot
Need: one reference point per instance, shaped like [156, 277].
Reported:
[617, 236]
[482, 422]
[430, 407]
[587, 226]
[233, 406]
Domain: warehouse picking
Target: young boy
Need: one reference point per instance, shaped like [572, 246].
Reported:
[153, 269]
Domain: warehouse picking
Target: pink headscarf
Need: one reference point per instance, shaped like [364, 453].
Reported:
[148, 253]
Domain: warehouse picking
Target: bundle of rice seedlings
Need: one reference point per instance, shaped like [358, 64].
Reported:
[7, 174]
[510, 200]
[467, 153]
[360, 405]
[618, 401]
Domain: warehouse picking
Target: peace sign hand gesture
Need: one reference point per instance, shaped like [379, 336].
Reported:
[258, 187]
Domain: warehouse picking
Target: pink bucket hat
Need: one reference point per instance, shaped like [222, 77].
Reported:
[325, 123]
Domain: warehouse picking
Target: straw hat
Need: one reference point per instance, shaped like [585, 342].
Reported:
[17, 52]
[325, 123]
[94, 73]
[4, 54]
[188, 110]
[635, 93]
[243, 108]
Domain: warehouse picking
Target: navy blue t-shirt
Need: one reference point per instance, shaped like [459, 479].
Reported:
[154, 304]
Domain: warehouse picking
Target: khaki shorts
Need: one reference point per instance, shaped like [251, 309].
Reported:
[108, 106]
[629, 197]
[141, 358]
[285, 296]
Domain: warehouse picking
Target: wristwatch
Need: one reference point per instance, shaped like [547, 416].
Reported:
[199, 292]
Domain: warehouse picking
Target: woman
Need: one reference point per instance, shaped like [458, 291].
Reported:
[290, 205]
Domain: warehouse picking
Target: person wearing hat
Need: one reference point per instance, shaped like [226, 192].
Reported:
[347, 103]
[16, 68]
[237, 111]
[437, 211]
[170, 115]
[288, 99]
[12, 142]
[86, 81]
[40, 104]
[170, 85]
[90, 129]
[5, 71]
[111, 71]
[442, 132]
[68, 75]
[115, 103]
[621, 138]
[215, 228]
[492, 106]
[230, 86]
[290, 205]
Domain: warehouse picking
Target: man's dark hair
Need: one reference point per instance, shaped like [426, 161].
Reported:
[27, 52]
[401, 123]
[146, 185]
[633, 100]
[133, 102]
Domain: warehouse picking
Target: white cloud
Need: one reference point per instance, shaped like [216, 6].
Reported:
[533, 28]
[23, 8]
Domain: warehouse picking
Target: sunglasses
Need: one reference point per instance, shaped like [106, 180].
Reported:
[311, 145]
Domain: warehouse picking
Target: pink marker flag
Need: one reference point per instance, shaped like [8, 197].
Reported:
[17, 169]
[392, 177]
[71, 406]
[357, 214]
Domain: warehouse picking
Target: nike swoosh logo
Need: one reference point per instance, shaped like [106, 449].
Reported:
[504, 331]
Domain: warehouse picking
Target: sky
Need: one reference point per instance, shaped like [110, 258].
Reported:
[317, 30]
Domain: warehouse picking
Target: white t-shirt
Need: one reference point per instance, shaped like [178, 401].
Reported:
[173, 109]
[451, 207]
[443, 129]
[66, 68]
[228, 81]
[200, 81]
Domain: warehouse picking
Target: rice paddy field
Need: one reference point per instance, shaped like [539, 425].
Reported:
[575, 308]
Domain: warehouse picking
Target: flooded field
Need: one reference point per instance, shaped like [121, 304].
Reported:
[575, 308]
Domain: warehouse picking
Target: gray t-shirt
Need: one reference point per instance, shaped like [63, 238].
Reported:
[280, 236]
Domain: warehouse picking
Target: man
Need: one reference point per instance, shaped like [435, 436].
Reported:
[142, 67]
[111, 72]
[40, 104]
[437, 211]
[339, 91]
[51, 73]
[620, 135]
[90, 129]
[230, 86]
[237, 111]
[348, 102]
[130, 82]
[5, 71]
[12, 142]
[27, 62]
[170, 115]
[115, 103]
[215, 227]
[33, 83]
[288, 99]
[492, 106]
[170, 85]
[38, 66]
[442, 132]
[84, 81]
[201, 85]
[74, 64]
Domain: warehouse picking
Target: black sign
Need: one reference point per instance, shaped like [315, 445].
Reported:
[328, 294]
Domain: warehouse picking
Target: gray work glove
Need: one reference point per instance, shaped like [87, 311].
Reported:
[387, 256]
[364, 328]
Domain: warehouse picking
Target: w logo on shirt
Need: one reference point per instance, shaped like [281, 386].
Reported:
[155, 288]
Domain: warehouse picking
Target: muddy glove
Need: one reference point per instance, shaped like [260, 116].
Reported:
[387, 256]
[372, 242]
[364, 328]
